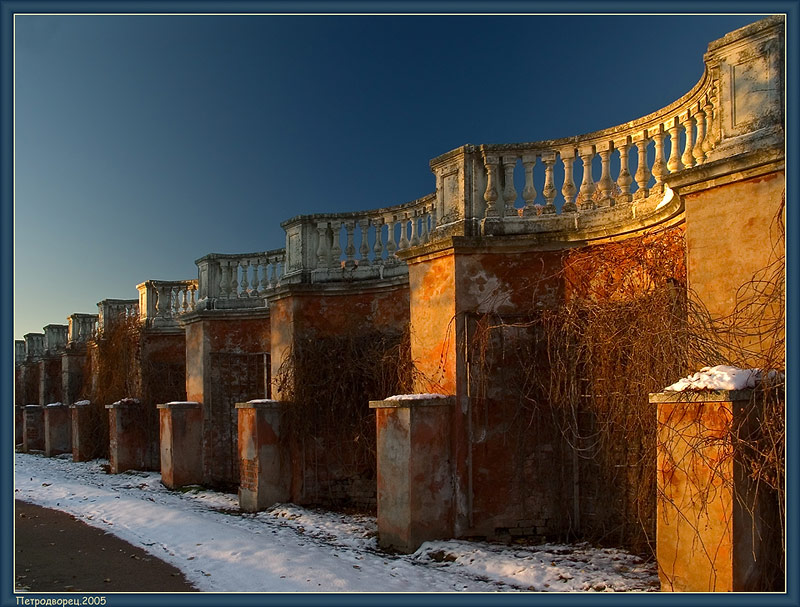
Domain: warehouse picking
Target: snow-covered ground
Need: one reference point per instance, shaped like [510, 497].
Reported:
[293, 549]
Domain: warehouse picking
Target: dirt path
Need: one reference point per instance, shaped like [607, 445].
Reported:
[57, 553]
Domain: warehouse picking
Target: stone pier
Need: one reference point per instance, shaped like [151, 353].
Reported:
[181, 432]
[57, 429]
[713, 534]
[128, 437]
[84, 437]
[415, 475]
[265, 471]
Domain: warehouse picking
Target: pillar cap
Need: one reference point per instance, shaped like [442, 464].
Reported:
[180, 404]
[263, 403]
[125, 402]
[412, 401]
[701, 396]
[33, 406]
[53, 405]
[80, 403]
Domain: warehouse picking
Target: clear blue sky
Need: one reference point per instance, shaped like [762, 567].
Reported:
[144, 142]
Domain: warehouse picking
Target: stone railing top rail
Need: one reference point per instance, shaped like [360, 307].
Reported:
[412, 204]
[669, 113]
[237, 256]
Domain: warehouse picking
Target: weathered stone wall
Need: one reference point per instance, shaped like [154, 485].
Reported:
[519, 470]
[226, 362]
[163, 379]
[327, 466]
[732, 233]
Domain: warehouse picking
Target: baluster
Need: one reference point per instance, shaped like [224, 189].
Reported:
[549, 191]
[322, 245]
[674, 163]
[403, 244]
[263, 283]
[659, 166]
[588, 188]
[606, 185]
[391, 247]
[642, 172]
[490, 195]
[414, 240]
[708, 110]
[377, 249]
[350, 248]
[699, 146]
[568, 189]
[433, 217]
[688, 127]
[529, 191]
[235, 278]
[245, 263]
[192, 297]
[624, 180]
[509, 193]
[363, 225]
[423, 237]
[271, 271]
[223, 287]
[336, 249]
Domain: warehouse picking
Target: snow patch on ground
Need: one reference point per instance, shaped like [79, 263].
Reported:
[292, 549]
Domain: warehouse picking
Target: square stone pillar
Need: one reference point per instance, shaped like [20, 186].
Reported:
[33, 428]
[50, 380]
[127, 432]
[57, 429]
[711, 532]
[264, 465]
[72, 363]
[83, 438]
[415, 474]
[181, 432]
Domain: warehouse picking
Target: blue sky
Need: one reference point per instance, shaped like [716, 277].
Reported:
[145, 142]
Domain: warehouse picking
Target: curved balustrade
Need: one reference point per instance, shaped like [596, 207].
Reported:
[674, 138]
[34, 345]
[360, 245]
[55, 338]
[110, 311]
[162, 301]
[241, 280]
[588, 186]
[82, 327]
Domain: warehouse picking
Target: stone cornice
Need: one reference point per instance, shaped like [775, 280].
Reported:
[727, 170]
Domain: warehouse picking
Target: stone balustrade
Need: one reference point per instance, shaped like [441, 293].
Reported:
[55, 338]
[110, 311]
[34, 345]
[242, 280]
[162, 301]
[347, 246]
[533, 188]
[580, 183]
[81, 328]
[19, 351]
